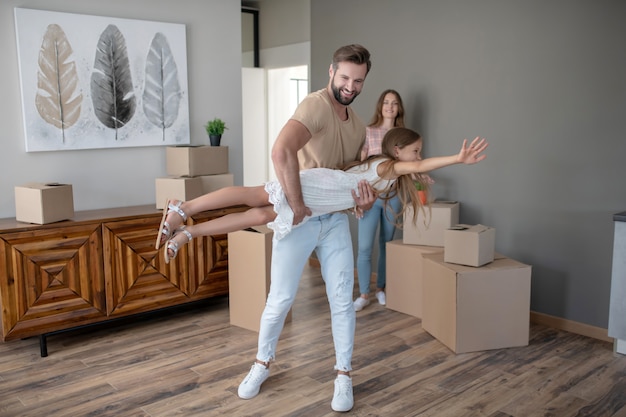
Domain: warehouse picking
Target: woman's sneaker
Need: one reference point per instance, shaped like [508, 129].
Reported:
[361, 303]
[382, 300]
[251, 384]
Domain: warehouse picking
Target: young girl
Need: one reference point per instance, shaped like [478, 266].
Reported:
[324, 191]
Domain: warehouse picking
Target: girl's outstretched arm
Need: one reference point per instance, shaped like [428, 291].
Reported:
[472, 154]
[469, 154]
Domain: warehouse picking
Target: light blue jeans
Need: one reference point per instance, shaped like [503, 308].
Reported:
[367, 236]
[329, 236]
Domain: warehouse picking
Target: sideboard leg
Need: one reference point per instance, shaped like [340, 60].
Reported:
[43, 345]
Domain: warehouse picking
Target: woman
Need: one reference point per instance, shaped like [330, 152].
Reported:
[389, 113]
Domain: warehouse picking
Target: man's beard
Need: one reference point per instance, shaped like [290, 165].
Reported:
[337, 94]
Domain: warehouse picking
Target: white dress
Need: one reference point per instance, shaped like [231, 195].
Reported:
[324, 191]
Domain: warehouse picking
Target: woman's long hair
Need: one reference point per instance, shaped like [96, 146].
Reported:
[377, 119]
[404, 186]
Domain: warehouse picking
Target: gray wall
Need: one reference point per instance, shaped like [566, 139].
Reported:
[545, 83]
[283, 22]
[121, 177]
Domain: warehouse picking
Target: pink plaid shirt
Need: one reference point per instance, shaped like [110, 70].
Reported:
[373, 141]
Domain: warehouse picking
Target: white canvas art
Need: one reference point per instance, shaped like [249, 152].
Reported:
[99, 82]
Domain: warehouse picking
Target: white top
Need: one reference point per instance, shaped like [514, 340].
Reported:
[324, 190]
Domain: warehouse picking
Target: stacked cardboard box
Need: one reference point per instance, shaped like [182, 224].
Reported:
[471, 245]
[193, 171]
[404, 257]
[429, 227]
[448, 274]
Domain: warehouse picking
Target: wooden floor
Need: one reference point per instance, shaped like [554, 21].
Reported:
[189, 363]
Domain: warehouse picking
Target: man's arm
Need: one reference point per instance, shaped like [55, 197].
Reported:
[293, 136]
[365, 199]
[366, 196]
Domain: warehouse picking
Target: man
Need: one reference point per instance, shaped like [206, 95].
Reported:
[323, 132]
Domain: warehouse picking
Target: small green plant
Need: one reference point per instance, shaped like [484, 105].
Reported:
[215, 127]
[418, 186]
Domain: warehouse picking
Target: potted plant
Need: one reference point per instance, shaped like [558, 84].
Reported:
[421, 191]
[215, 129]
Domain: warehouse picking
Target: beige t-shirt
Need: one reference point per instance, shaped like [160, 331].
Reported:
[333, 142]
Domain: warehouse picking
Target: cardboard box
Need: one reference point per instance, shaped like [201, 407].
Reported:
[192, 161]
[211, 183]
[404, 276]
[44, 203]
[249, 265]
[471, 309]
[179, 188]
[429, 228]
[469, 245]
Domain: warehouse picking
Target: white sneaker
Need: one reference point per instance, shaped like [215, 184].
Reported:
[382, 299]
[342, 399]
[360, 303]
[251, 384]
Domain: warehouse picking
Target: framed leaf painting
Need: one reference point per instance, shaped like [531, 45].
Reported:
[92, 82]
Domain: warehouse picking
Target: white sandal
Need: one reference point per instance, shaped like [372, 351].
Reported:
[174, 245]
[164, 227]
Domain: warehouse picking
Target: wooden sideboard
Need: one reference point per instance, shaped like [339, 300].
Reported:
[99, 266]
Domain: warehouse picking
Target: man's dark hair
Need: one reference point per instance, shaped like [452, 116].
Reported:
[354, 53]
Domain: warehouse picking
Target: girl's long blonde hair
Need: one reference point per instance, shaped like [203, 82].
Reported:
[404, 185]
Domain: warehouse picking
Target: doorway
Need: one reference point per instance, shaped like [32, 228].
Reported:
[286, 88]
[269, 98]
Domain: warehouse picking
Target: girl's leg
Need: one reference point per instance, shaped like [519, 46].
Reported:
[255, 216]
[224, 197]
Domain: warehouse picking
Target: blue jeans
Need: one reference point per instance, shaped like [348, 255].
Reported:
[367, 234]
[329, 235]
